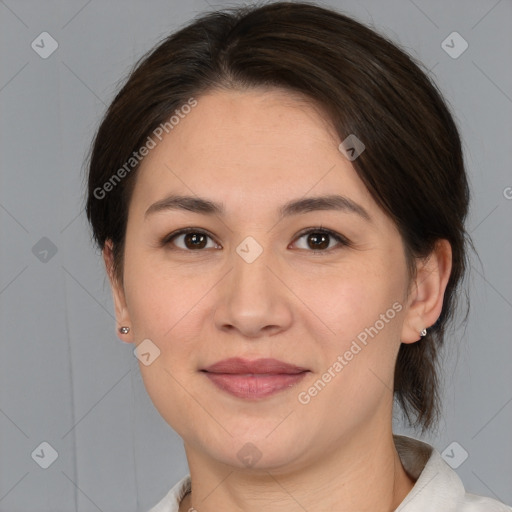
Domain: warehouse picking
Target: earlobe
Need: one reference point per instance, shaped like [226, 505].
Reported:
[427, 292]
[123, 322]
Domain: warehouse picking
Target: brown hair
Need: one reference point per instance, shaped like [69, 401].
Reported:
[365, 84]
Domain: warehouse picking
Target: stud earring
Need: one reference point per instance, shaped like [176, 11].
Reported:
[423, 333]
[124, 330]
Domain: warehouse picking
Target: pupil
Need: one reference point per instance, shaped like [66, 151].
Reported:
[195, 240]
[318, 241]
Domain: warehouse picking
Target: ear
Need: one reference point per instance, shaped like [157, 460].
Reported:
[427, 291]
[122, 316]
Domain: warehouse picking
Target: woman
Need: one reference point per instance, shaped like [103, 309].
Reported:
[269, 190]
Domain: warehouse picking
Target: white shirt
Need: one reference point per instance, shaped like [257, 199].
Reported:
[438, 488]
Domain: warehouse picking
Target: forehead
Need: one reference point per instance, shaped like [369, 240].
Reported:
[249, 149]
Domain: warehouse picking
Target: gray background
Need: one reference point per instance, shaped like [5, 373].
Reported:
[66, 379]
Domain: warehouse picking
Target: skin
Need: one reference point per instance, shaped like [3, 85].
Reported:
[253, 151]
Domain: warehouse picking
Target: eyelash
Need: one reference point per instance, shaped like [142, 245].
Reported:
[342, 241]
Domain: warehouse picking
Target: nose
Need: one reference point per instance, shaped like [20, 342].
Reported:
[252, 301]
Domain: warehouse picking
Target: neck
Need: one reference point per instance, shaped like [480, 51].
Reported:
[364, 475]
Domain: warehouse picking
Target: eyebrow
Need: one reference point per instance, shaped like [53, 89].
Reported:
[295, 207]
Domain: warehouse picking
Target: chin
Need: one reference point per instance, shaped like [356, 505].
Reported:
[258, 451]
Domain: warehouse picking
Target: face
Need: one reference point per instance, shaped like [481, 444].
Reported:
[250, 236]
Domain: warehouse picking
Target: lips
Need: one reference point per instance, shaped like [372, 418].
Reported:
[254, 379]
[241, 366]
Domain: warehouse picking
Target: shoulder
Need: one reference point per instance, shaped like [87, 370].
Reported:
[171, 501]
[437, 487]
[474, 503]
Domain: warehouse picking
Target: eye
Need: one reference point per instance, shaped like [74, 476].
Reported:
[314, 239]
[320, 239]
[191, 239]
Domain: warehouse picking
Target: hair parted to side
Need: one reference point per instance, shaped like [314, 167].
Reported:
[365, 84]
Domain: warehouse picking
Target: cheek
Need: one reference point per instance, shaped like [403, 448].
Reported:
[361, 313]
[364, 308]
[353, 299]
[160, 298]
[354, 377]
[164, 308]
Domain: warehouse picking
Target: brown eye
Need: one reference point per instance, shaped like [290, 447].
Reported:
[321, 240]
[190, 240]
[195, 241]
[318, 241]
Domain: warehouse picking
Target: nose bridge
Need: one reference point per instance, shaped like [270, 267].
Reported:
[251, 278]
[253, 300]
